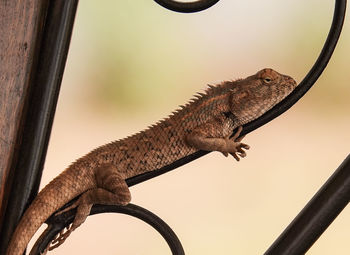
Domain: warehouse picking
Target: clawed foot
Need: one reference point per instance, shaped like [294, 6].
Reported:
[60, 238]
[63, 234]
[235, 147]
[83, 211]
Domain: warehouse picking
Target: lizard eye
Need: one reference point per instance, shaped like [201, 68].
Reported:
[267, 79]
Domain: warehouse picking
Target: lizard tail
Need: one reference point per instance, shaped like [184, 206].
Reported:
[57, 193]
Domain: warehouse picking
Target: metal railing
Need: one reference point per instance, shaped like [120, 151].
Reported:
[299, 236]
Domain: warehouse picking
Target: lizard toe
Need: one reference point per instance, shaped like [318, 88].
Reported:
[60, 238]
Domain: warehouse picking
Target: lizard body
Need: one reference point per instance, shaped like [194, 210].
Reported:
[205, 123]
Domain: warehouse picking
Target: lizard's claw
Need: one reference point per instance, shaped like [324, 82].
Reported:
[235, 147]
[235, 156]
[239, 150]
[225, 153]
[60, 238]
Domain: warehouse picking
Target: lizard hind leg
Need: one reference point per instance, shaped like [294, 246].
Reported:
[111, 190]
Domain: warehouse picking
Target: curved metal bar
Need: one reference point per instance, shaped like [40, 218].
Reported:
[186, 7]
[289, 101]
[59, 222]
[312, 75]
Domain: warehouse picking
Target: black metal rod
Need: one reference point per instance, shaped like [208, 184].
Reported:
[186, 7]
[303, 87]
[45, 86]
[312, 75]
[284, 105]
[59, 222]
[317, 215]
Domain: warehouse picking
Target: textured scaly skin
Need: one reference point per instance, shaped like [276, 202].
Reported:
[205, 123]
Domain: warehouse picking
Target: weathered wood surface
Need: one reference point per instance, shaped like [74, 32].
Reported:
[20, 22]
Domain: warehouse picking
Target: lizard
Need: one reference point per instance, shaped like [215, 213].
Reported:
[210, 121]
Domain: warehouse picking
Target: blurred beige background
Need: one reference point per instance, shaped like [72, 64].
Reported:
[132, 62]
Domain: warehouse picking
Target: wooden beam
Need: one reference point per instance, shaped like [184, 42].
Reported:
[34, 41]
[20, 25]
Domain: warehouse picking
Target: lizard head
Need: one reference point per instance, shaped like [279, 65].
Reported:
[258, 93]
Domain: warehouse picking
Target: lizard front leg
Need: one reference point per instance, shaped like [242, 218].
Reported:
[111, 190]
[235, 142]
[215, 136]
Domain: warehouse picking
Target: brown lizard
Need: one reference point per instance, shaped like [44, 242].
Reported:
[205, 123]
